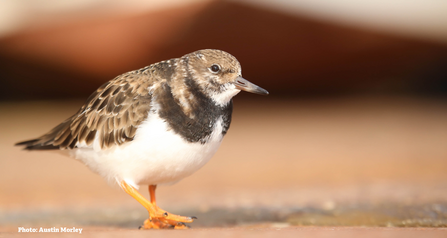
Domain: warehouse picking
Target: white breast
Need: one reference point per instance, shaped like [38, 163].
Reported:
[155, 156]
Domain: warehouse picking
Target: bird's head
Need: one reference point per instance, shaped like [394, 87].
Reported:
[218, 74]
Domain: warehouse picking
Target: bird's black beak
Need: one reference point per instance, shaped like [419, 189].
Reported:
[243, 84]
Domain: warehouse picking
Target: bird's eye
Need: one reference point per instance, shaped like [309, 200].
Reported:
[215, 68]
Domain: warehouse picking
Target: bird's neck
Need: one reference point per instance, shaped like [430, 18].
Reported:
[196, 116]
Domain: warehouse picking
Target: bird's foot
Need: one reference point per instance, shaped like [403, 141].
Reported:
[161, 219]
[163, 223]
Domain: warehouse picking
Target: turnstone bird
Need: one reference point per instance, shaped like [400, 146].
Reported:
[155, 125]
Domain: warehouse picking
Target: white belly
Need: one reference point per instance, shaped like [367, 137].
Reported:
[155, 156]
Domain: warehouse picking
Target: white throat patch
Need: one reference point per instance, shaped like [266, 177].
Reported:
[223, 98]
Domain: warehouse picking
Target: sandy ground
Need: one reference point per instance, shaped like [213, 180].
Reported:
[312, 167]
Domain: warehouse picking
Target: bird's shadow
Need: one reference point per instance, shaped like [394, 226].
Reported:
[367, 214]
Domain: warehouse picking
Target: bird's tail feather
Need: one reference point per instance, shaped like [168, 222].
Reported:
[35, 145]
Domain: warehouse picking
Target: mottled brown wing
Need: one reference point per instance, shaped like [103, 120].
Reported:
[112, 113]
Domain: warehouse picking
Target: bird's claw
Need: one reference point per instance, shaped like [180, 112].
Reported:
[181, 226]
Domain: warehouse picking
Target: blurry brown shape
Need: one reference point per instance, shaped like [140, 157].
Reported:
[80, 53]
[280, 52]
[100, 47]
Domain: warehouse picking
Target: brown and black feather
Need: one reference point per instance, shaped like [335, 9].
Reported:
[113, 113]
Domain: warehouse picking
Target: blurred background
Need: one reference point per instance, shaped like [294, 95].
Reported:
[355, 125]
[51, 49]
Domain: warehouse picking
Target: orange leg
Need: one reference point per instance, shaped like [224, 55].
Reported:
[158, 218]
[152, 194]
